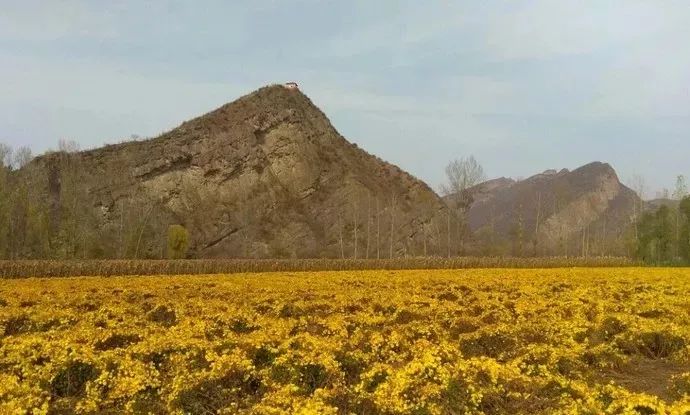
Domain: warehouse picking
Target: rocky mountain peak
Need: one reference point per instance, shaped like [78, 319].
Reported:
[266, 175]
[550, 211]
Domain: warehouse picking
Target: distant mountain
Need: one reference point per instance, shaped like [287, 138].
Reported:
[654, 204]
[264, 176]
[554, 213]
[268, 176]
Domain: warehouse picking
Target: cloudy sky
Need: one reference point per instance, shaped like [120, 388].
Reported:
[522, 85]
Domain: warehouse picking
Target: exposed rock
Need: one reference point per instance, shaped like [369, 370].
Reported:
[264, 176]
[587, 204]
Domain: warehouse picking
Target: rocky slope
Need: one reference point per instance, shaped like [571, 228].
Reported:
[555, 212]
[264, 176]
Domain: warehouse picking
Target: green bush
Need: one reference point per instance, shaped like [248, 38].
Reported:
[178, 242]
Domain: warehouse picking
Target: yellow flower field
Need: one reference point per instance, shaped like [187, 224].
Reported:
[492, 341]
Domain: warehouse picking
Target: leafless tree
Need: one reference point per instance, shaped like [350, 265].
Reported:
[68, 146]
[679, 193]
[6, 153]
[638, 184]
[355, 209]
[461, 175]
[368, 221]
[390, 255]
[22, 157]
[536, 225]
[378, 229]
[340, 235]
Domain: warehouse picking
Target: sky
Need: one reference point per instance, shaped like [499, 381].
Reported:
[524, 86]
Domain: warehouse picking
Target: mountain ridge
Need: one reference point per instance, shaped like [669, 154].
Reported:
[554, 211]
[266, 175]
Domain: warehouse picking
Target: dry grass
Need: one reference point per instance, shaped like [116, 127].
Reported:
[47, 268]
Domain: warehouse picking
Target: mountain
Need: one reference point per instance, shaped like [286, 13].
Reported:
[264, 176]
[655, 204]
[554, 213]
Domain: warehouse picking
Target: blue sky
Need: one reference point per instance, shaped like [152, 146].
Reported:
[522, 85]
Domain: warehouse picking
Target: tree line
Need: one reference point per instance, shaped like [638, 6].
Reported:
[55, 217]
[663, 233]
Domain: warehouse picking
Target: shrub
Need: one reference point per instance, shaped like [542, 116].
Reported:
[117, 341]
[18, 325]
[163, 316]
[234, 390]
[71, 380]
[178, 242]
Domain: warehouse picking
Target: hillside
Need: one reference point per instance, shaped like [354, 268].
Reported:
[555, 212]
[264, 176]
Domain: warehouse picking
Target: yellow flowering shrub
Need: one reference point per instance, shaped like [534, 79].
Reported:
[481, 341]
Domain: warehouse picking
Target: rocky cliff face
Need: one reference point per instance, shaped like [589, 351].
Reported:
[557, 213]
[264, 176]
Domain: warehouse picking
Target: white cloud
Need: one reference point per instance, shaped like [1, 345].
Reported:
[462, 96]
[545, 28]
[651, 80]
[51, 20]
[403, 26]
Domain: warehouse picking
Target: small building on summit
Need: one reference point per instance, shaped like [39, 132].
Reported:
[291, 85]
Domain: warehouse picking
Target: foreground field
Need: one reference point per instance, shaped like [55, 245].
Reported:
[493, 341]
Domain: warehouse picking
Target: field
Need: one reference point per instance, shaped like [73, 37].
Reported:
[109, 267]
[492, 341]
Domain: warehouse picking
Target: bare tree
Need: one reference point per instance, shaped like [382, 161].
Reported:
[681, 189]
[461, 175]
[535, 241]
[356, 220]
[519, 232]
[448, 230]
[6, 153]
[392, 225]
[368, 221]
[68, 146]
[378, 229]
[663, 194]
[340, 235]
[22, 157]
[639, 186]
[679, 193]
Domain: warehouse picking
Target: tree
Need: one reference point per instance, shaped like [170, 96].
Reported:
[535, 240]
[178, 242]
[68, 146]
[340, 236]
[368, 221]
[518, 232]
[378, 229]
[681, 189]
[655, 243]
[639, 186]
[22, 157]
[6, 157]
[684, 243]
[355, 209]
[461, 175]
[679, 194]
[390, 246]
[664, 234]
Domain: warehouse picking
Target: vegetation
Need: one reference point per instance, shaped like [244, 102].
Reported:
[461, 175]
[53, 217]
[28, 268]
[178, 242]
[663, 235]
[561, 341]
